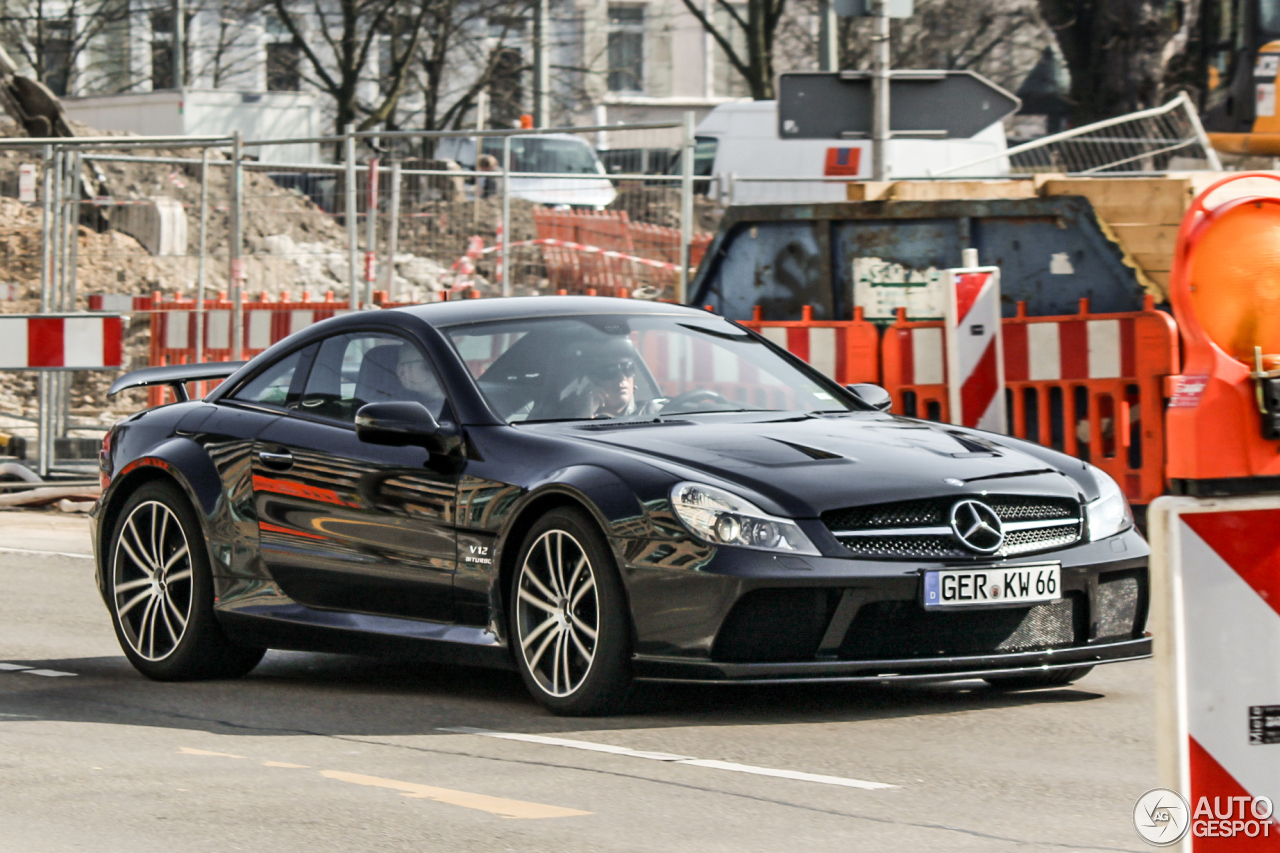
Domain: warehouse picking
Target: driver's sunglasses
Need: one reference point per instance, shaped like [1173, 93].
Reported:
[615, 371]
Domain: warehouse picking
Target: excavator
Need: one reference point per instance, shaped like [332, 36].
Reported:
[1240, 112]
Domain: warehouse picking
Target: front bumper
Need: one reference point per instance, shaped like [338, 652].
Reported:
[655, 668]
[743, 616]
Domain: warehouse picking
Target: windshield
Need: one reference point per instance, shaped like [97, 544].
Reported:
[540, 154]
[632, 367]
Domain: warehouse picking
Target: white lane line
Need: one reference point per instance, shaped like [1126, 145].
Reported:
[46, 553]
[571, 744]
[672, 758]
[50, 673]
[30, 670]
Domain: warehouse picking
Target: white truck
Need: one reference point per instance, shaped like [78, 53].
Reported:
[739, 148]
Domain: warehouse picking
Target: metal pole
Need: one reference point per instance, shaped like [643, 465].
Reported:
[76, 190]
[541, 64]
[200, 262]
[880, 131]
[179, 49]
[482, 117]
[506, 216]
[686, 206]
[371, 232]
[393, 230]
[55, 283]
[237, 262]
[353, 251]
[46, 285]
[46, 231]
[828, 37]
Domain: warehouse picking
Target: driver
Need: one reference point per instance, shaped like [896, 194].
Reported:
[610, 380]
[418, 379]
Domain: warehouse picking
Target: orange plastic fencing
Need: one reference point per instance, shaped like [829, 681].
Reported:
[1090, 385]
[576, 271]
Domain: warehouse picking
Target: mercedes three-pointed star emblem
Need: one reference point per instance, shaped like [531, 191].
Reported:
[977, 526]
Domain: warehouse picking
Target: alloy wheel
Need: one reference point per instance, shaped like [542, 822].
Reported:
[152, 587]
[558, 613]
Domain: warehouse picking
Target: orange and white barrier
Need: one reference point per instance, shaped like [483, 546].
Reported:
[61, 342]
[1216, 619]
[975, 354]
[847, 351]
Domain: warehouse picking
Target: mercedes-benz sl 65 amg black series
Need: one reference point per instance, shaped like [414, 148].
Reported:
[593, 491]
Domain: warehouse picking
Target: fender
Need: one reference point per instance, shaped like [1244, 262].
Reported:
[182, 460]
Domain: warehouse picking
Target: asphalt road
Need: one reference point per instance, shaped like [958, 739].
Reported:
[330, 753]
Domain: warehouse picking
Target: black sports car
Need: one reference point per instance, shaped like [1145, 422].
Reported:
[593, 491]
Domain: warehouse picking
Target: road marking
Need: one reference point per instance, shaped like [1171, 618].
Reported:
[46, 553]
[674, 759]
[571, 744]
[482, 802]
[48, 673]
[190, 751]
[30, 670]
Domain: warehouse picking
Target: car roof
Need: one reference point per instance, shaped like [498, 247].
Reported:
[515, 307]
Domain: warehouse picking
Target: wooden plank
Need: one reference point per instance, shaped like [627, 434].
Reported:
[1158, 201]
[1160, 278]
[1149, 239]
[1154, 262]
[961, 190]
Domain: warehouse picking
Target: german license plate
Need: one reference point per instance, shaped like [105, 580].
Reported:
[988, 586]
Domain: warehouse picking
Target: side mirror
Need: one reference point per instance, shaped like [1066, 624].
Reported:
[406, 424]
[872, 396]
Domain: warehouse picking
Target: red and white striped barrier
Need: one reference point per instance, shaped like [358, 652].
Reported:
[846, 351]
[975, 356]
[1072, 349]
[1215, 571]
[574, 247]
[61, 342]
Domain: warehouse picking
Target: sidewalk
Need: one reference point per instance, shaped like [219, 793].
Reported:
[43, 530]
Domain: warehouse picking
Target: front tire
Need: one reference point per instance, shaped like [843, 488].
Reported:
[570, 628]
[1052, 678]
[160, 592]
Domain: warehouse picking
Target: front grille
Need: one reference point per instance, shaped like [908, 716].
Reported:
[859, 525]
[899, 630]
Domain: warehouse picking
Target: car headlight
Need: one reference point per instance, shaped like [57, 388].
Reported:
[1110, 513]
[723, 518]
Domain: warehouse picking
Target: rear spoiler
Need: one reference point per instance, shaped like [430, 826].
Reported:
[175, 376]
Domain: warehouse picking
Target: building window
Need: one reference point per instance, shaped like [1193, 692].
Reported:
[161, 50]
[57, 56]
[282, 67]
[626, 48]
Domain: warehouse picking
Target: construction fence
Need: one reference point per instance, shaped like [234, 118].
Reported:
[123, 224]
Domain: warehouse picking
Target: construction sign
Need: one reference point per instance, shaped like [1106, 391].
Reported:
[1215, 608]
[975, 349]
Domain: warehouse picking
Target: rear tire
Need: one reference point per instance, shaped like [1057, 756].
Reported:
[160, 592]
[569, 623]
[1052, 678]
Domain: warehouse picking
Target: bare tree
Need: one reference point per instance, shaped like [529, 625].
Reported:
[348, 32]
[759, 27]
[1117, 52]
[51, 38]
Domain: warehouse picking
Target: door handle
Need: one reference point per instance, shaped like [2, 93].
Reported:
[280, 460]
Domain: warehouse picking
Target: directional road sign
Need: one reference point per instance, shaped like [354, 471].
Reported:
[922, 104]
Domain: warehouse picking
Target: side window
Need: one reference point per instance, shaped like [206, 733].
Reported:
[272, 385]
[355, 369]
